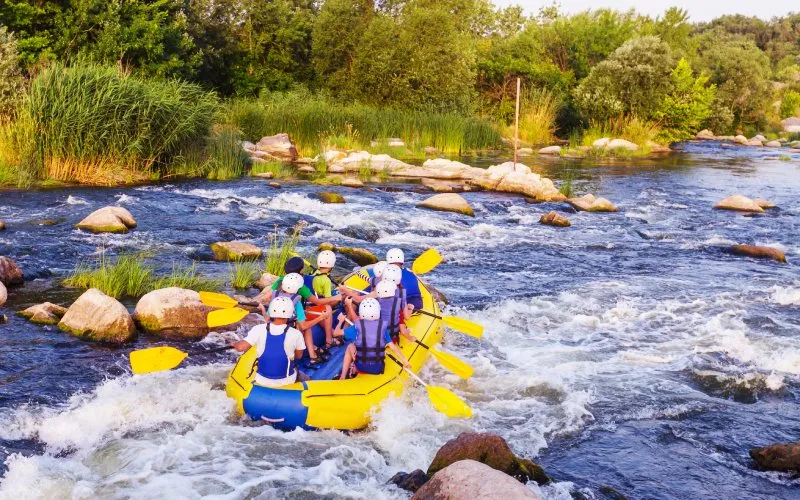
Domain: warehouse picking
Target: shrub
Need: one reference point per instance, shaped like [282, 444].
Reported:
[687, 105]
[537, 121]
[790, 104]
[242, 274]
[11, 80]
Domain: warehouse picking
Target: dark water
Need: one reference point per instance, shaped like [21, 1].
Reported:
[629, 351]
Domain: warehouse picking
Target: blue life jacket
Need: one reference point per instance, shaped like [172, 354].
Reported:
[391, 308]
[308, 281]
[370, 346]
[410, 282]
[273, 363]
[295, 298]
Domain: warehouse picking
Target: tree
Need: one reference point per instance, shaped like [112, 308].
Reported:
[11, 80]
[687, 105]
[632, 81]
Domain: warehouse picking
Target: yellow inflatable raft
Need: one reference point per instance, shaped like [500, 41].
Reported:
[322, 403]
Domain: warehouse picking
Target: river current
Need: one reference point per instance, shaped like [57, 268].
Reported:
[629, 351]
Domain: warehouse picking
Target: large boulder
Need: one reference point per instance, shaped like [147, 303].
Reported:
[791, 125]
[759, 252]
[235, 250]
[590, 203]
[784, 457]
[96, 316]
[705, 135]
[360, 256]
[358, 160]
[330, 197]
[10, 273]
[740, 139]
[448, 202]
[773, 144]
[739, 203]
[471, 479]
[554, 219]
[46, 313]
[172, 313]
[488, 449]
[278, 146]
[410, 481]
[266, 280]
[755, 142]
[601, 143]
[3, 294]
[440, 168]
[108, 220]
[550, 150]
[622, 144]
[510, 178]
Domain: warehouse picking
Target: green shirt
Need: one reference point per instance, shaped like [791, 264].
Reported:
[323, 286]
[304, 292]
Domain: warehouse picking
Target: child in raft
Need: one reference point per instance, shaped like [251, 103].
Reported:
[396, 258]
[367, 353]
[277, 345]
[290, 286]
[392, 300]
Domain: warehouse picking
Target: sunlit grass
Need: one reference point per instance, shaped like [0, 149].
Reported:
[281, 248]
[242, 274]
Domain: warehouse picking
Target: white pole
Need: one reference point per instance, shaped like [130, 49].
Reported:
[516, 127]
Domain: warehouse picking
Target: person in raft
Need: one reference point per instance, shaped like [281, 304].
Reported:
[394, 313]
[277, 345]
[368, 351]
[291, 284]
[409, 281]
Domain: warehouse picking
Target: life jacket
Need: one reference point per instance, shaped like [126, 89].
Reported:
[308, 281]
[391, 307]
[295, 298]
[370, 346]
[318, 273]
[273, 363]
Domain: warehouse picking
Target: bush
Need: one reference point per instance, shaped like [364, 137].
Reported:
[537, 121]
[688, 104]
[96, 125]
[790, 104]
[11, 81]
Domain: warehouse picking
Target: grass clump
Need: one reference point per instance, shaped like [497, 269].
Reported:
[281, 248]
[227, 159]
[785, 157]
[132, 276]
[278, 169]
[97, 125]
[242, 274]
[537, 121]
[566, 185]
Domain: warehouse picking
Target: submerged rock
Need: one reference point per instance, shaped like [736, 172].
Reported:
[554, 219]
[449, 202]
[172, 313]
[471, 479]
[10, 273]
[3, 294]
[44, 314]
[274, 185]
[759, 252]
[590, 203]
[488, 449]
[739, 203]
[440, 186]
[784, 457]
[411, 481]
[235, 250]
[278, 146]
[761, 202]
[108, 220]
[330, 197]
[96, 316]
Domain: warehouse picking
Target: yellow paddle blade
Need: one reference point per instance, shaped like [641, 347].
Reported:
[220, 300]
[358, 281]
[464, 326]
[156, 359]
[425, 263]
[452, 363]
[222, 317]
[448, 403]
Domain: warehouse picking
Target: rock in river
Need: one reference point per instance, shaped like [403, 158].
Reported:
[2, 226]
[448, 202]
[172, 313]
[550, 150]
[235, 250]
[740, 203]
[44, 314]
[10, 273]
[96, 316]
[108, 220]
[759, 252]
[360, 256]
[590, 203]
[784, 457]
[330, 197]
[491, 450]
[554, 219]
[266, 279]
[470, 479]
[3, 294]
[278, 146]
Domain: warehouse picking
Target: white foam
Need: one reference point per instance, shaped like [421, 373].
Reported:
[74, 200]
[786, 295]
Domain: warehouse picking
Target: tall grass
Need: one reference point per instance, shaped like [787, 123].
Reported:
[537, 121]
[227, 159]
[96, 125]
[242, 274]
[132, 276]
[281, 248]
[278, 169]
[629, 128]
[314, 121]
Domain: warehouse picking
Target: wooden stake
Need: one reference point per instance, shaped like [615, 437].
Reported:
[516, 127]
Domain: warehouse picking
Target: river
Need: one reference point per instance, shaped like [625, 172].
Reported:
[628, 351]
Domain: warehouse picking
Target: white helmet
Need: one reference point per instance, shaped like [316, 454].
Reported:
[386, 289]
[393, 274]
[395, 256]
[378, 268]
[292, 283]
[326, 258]
[281, 307]
[369, 309]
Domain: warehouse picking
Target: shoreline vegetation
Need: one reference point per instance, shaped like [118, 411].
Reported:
[107, 108]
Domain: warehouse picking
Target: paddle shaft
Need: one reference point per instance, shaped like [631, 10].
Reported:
[426, 313]
[209, 351]
[414, 375]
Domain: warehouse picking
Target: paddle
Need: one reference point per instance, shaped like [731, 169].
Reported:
[441, 398]
[223, 301]
[460, 324]
[427, 260]
[451, 362]
[157, 359]
[222, 317]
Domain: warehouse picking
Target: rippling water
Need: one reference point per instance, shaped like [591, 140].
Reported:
[627, 351]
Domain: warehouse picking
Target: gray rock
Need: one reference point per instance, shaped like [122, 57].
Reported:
[469, 479]
[550, 150]
[278, 146]
[622, 144]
